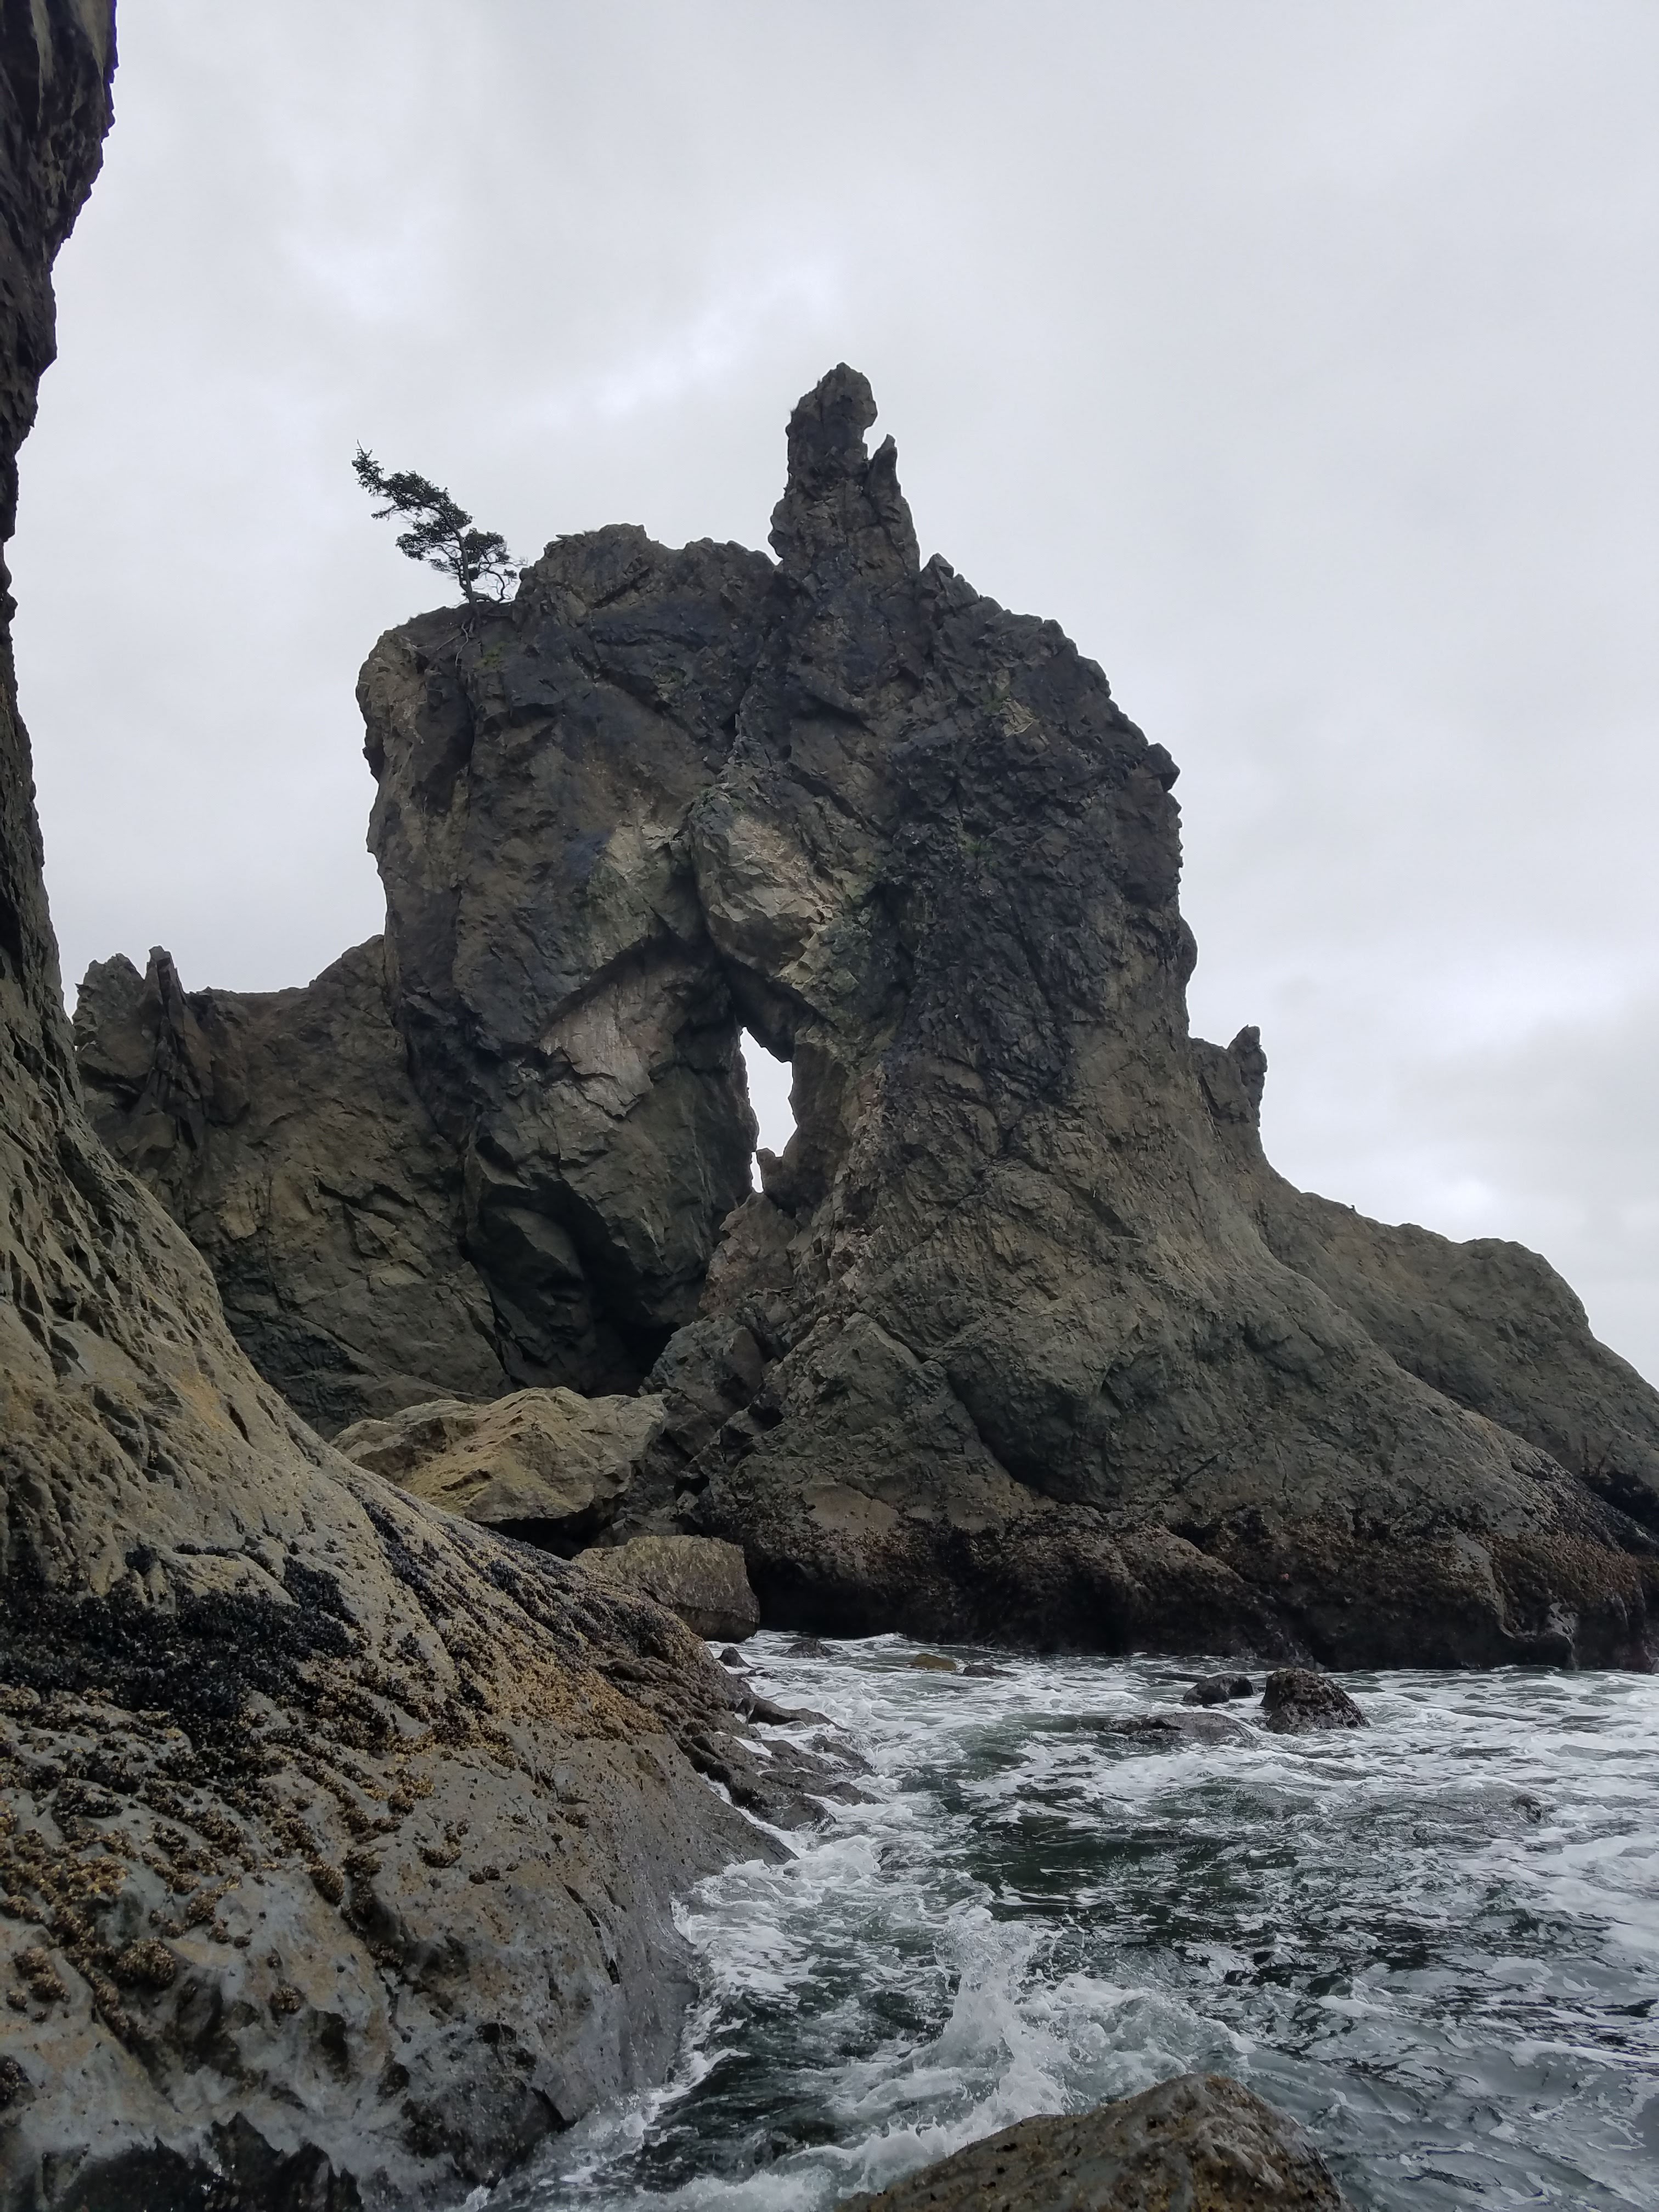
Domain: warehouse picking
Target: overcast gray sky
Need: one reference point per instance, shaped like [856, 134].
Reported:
[1298, 356]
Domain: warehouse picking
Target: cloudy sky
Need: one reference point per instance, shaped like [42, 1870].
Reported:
[1298, 356]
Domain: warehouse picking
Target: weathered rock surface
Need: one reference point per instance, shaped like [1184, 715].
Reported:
[1198, 2143]
[1295, 1700]
[549, 1466]
[1022, 1338]
[698, 1577]
[281, 1130]
[570, 1024]
[339, 1838]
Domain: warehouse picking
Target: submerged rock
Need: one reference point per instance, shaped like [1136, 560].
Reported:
[1297, 1699]
[1201, 2142]
[548, 1466]
[1173, 1725]
[697, 1578]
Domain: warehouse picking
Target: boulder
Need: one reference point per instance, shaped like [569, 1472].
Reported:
[547, 1466]
[1216, 1689]
[1297, 1699]
[1200, 2141]
[697, 1578]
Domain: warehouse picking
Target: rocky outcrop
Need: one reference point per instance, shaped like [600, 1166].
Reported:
[339, 1838]
[281, 1130]
[548, 1466]
[697, 1578]
[1200, 2142]
[1021, 1337]
[569, 1023]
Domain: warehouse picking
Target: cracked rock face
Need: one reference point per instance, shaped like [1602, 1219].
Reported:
[1022, 1337]
[339, 1838]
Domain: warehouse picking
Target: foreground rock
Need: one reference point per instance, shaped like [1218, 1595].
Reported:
[339, 1838]
[1199, 2143]
[1296, 1700]
[547, 1466]
[697, 1578]
[1021, 1339]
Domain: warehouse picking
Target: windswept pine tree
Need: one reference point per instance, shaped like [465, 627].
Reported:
[440, 531]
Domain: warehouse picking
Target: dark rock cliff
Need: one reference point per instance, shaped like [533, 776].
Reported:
[1021, 1337]
[338, 1839]
[281, 1130]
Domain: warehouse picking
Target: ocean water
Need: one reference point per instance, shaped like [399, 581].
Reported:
[1435, 1941]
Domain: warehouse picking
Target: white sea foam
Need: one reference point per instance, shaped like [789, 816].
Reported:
[1436, 1941]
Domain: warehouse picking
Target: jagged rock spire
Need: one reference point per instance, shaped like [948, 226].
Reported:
[841, 508]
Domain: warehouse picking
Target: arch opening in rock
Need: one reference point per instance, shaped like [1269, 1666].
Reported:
[770, 1079]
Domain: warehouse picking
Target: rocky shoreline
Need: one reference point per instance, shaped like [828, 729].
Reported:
[346, 1788]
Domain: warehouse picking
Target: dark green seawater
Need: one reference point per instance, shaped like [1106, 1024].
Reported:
[1435, 1941]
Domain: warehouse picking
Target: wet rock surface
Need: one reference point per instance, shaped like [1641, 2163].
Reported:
[1172, 1726]
[1200, 2143]
[1297, 1700]
[1218, 1690]
[1021, 1339]
[698, 1577]
[339, 1838]
[549, 1466]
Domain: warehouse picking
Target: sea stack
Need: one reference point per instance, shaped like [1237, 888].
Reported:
[1022, 1338]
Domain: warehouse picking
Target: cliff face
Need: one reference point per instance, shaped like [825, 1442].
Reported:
[281, 1130]
[1021, 1337]
[1050, 1351]
[338, 1840]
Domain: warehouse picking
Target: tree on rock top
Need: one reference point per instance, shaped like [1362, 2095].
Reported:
[440, 532]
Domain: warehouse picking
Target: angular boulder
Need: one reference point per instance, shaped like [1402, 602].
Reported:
[548, 1466]
[1200, 2141]
[697, 1578]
